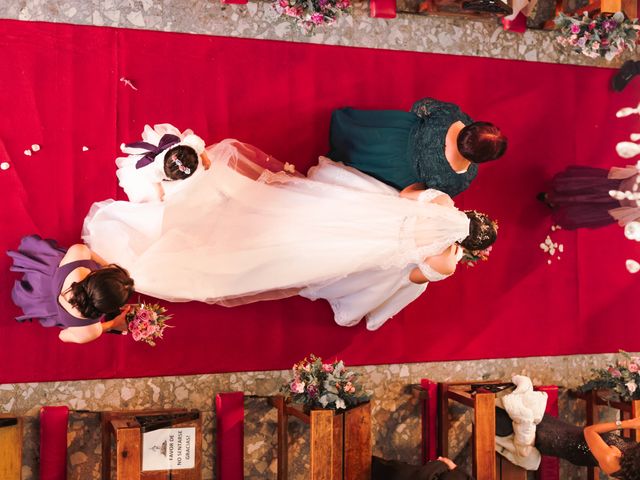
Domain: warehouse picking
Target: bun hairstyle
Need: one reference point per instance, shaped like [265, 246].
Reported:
[629, 464]
[481, 142]
[482, 231]
[102, 292]
[180, 162]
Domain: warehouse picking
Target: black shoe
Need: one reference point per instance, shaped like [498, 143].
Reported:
[628, 70]
[544, 198]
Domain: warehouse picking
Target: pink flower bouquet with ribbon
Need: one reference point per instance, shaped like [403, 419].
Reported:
[147, 322]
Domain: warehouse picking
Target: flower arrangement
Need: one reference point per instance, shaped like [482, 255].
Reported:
[147, 322]
[324, 385]
[623, 378]
[471, 257]
[310, 14]
[600, 36]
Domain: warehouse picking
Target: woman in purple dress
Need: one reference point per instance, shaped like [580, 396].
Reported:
[72, 289]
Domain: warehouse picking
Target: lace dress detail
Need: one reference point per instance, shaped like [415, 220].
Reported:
[427, 146]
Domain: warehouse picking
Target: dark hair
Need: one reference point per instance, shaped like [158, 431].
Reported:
[180, 162]
[629, 464]
[482, 231]
[481, 142]
[101, 292]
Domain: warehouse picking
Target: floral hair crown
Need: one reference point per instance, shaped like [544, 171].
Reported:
[182, 167]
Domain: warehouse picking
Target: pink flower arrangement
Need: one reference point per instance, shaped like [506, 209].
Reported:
[324, 385]
[622, 378]
[310, 14]
[147, 322]
[598, 36]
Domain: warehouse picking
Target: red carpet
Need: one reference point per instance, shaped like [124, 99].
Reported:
[60, 89]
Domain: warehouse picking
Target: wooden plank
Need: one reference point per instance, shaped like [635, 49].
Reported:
[635, 412]
[128, 458]
[337, 449]
[484, 433]
[509, 471]
[283, 438]
[321, 445]
[357, 443]
[11, 450]
[443, 419]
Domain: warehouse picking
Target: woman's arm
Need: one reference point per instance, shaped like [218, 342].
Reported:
[444, 264]
[414, 191]
[81, 334]
[608, 457]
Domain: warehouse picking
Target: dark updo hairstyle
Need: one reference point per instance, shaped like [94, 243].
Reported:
[180, 162]
[481, 142]
[102, 292]
[482, 231]
[629, 464]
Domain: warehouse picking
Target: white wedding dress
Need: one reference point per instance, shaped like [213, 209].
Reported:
[246, 230]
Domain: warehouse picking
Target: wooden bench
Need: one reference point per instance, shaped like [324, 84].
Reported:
[10, 447]
[340, 443]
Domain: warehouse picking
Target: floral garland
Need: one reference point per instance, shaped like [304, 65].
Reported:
[324, 385]
[623, 378]
[310, 14]
[471, 257]
[599, 36]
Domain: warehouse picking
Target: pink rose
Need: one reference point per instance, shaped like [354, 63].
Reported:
[143, 315]
[575, 28]
[633, 367]
[327, 367]
[136, 335]
[614, 372]
[297, 387]
[317, 18]
[349, 388]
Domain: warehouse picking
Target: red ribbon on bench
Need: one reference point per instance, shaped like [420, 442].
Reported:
[230, 436]
[53, 443]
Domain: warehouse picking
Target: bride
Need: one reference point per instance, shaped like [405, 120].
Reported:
[253, 229]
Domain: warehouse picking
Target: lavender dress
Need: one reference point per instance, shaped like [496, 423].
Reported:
[38, 290]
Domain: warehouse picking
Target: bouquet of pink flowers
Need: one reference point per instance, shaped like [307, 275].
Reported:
[324, 385]
[598, 36]
[623, 378]
[310, 14]
[146, 322]
[471, 257]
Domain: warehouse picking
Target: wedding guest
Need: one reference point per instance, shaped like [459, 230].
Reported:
[435, 143]
[440, 469]
[72, 289]
[579, 197]
[154, 164]
[591, 446]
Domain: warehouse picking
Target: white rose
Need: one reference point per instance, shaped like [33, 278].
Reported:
[632, 266]
[631, 386]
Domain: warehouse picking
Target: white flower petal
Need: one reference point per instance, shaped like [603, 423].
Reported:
[4, 165]
[35, 147]
[632, 266]
[27, 152]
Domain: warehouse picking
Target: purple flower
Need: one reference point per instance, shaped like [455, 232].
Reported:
[582, 42]
[312, 390]
[609, 24]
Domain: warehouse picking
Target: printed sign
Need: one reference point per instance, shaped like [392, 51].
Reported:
[169, 449]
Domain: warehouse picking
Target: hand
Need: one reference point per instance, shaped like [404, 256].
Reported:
[632, 423]
[121, 319]
[206, 163]
[448, 462]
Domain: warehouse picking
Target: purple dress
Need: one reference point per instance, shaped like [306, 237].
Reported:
[38, 290]
[580, 197]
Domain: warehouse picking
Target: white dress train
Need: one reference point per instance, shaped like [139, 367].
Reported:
[245, 231]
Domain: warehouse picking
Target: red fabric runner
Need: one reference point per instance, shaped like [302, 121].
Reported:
[60, 88]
